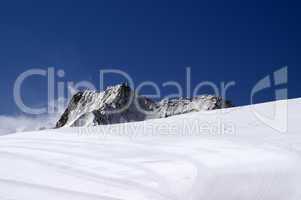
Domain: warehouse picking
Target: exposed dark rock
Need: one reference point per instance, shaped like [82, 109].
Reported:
[120, 104]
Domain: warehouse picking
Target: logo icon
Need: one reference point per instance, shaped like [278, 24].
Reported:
[279, 80]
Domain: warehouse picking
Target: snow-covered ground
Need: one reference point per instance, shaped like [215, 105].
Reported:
[216, 155]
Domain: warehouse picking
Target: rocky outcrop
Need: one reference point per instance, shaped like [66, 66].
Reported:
[120, 104]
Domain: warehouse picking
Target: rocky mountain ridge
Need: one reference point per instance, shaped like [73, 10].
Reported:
[118, 104]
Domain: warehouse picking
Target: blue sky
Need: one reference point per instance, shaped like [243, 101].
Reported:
[241, 41]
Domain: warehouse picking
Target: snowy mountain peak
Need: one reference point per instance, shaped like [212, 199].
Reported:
[120, 103]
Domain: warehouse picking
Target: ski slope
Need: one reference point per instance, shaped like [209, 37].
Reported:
[171, 158]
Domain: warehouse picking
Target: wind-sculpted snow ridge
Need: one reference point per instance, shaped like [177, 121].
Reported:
[162, 159]
[119, 104]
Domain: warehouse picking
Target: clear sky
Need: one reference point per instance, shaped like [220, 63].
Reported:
[240, 41]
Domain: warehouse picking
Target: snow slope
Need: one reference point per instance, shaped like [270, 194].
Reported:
[176, 158]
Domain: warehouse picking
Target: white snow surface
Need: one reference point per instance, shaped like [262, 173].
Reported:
[172, 158]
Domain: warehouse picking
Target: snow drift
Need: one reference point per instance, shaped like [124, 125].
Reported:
[171, 158]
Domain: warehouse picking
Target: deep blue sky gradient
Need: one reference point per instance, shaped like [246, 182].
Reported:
[151, 40]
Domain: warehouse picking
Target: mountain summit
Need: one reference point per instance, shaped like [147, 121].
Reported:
[118, 104]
